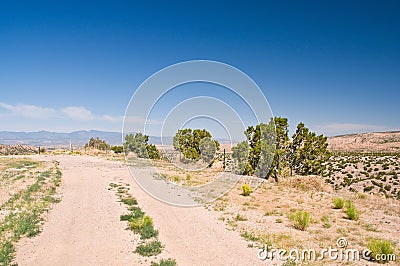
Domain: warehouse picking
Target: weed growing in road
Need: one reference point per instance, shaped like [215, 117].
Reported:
[140, 224]
[150, 249]
[143, 226]
[163, 262]
[130, 201]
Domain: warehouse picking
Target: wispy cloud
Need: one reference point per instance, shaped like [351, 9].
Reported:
[78, 113]
[111, 118]
[346, 128]
[44, 117]
[30, 111]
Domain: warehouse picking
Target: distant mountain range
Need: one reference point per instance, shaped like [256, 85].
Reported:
[77, 138]
[47, 139]
[365, 142]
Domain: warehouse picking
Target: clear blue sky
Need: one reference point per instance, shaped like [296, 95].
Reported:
[72, 65]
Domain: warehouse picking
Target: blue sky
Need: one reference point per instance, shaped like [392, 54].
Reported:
[65, 66]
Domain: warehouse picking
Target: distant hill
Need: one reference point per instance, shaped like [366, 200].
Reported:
[48, 139]
[77, 138]
[366, 142]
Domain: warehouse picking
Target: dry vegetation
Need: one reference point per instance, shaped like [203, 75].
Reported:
[373, 173]
[312, 211]
[274, 215]
[142, 225]
[185, 177]
[27, 191]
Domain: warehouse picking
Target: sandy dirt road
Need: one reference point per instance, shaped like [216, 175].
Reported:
[84, 228]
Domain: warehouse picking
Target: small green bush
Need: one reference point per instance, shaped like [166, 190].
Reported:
[368, 189]
[136, 212]
[246, 190]
[301, 220]
[143, 226]
[338, 203]
[383, 248]
[150, 249]
[351, 211]
[126, 217]
[163, 262]
[129, 201]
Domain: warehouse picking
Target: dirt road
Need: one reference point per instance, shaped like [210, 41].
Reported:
[84, 228]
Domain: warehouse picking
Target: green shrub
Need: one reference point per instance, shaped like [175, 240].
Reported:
[246, 190]
[300, 219]
[136, 212]
[338, 203]
[150, 249]
[143, 226]
[167, 262]
[126, 217]
[380, 247]
[130, 201]
[351, 211]
[368, 189]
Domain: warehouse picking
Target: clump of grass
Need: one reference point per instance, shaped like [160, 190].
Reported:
[163, 262]
[150, 249]
[6, 253]
[143, 226]
[240, 218]
[176, 178]
[361, 196]
[188, 177]
[136, 212]
[130, 201]
[301, 219]
[382, 250]
[351, 211]
[246, 190]
[126, 217]
[250, 236]
[325, 221]
[338, 203]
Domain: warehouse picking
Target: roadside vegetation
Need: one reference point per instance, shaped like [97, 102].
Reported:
[141, 224]
[28, 189]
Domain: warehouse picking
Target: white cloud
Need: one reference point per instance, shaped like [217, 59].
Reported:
[78, 113]
[30, 111]
[346, 128]
[111, 118]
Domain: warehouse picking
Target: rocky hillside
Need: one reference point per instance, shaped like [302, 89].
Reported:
[17, 149]
[366, 142]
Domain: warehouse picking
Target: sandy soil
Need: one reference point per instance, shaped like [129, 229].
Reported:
[84, 228]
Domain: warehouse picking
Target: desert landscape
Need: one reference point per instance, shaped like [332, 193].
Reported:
[66, 208]
[215, 133]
